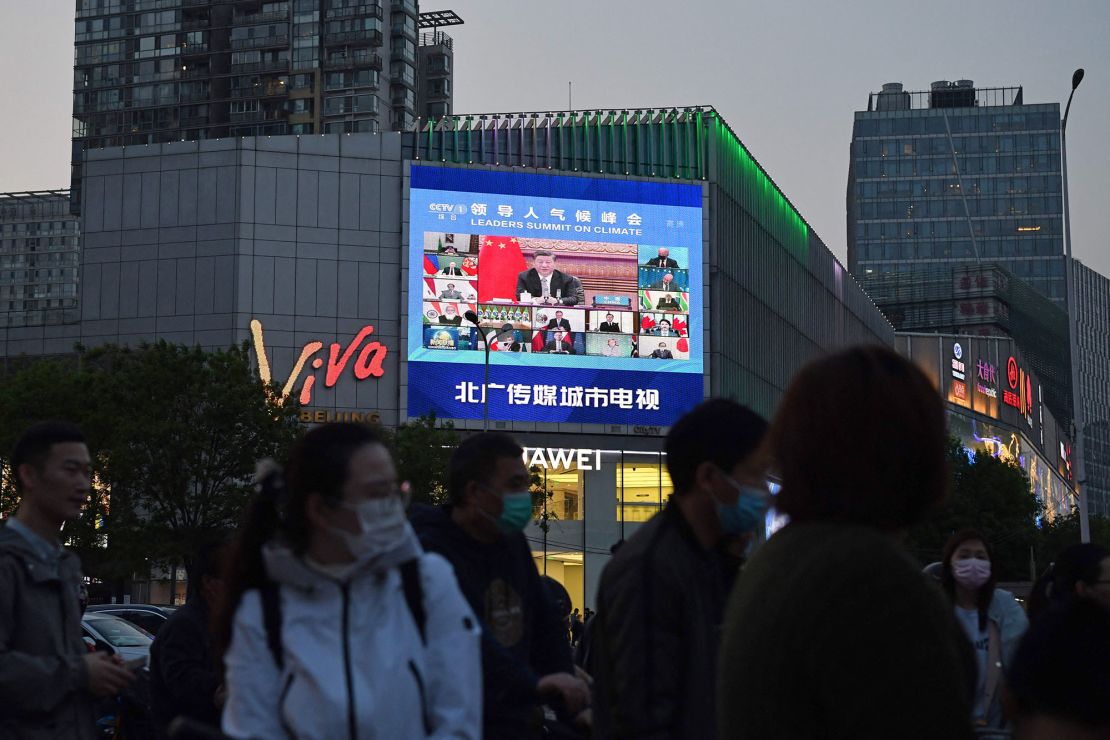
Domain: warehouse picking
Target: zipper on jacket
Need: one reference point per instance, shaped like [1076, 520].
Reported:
[423, 698]
[352, 725]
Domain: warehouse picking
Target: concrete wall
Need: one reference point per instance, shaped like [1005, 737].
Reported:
[190, 241]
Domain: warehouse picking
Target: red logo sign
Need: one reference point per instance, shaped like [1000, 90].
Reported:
[1012, 372]
[367, 364]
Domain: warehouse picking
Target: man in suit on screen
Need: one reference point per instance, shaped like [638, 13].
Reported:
[559, 344]
[559, 322]
[547, 285]
[663, 259]
[662, 353]
[609, 325]
[450, 294]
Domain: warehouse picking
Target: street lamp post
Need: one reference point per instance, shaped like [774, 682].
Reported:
[1076, 396]
[473, 318]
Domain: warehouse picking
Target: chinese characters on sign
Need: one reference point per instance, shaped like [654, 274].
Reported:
[644, 399]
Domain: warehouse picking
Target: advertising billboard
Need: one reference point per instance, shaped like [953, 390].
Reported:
[587, 291]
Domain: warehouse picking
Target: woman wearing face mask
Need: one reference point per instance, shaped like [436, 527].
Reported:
[337, 624]
[992, 619]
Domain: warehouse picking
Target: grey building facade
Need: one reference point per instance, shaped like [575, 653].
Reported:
[1092, 321]
[299, 245]
[957, 175]
[39, 253]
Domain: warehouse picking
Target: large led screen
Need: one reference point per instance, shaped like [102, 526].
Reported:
[588, 292]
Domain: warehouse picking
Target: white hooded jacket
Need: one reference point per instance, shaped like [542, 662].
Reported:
[354, 663]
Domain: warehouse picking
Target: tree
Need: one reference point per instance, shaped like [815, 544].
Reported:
[1063, 532]
[421, 451]
[989, 495]
[175, 433]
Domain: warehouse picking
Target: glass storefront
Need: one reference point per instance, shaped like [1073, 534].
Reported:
[595, 500]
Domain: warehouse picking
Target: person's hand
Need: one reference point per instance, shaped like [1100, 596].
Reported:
[572, 690]
[107, 676]
[585, 721]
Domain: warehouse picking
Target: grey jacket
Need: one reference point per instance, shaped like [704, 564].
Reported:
[43, 677]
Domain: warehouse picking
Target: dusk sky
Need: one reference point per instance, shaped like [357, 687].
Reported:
[787, 76]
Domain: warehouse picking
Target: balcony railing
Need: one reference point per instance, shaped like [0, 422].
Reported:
[275, 65]
[194, 24]
[189, 50]
[373, 61]
[360, 11]
[361, 38]
[262, 42]
[277, 16]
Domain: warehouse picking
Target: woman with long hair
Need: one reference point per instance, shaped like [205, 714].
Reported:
[992, 619]
[336, 623]
[832, 630]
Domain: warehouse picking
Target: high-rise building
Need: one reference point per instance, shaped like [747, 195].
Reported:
[1092, 321]
[150, 71]
[39, 246]
[957, 175]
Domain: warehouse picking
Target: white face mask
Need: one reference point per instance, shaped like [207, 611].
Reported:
[383, 526]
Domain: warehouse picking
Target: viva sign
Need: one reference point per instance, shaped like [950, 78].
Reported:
[367, 361]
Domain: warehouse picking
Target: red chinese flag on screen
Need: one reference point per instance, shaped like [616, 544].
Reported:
[499, 262]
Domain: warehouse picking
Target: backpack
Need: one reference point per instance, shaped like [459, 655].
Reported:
[271, 608]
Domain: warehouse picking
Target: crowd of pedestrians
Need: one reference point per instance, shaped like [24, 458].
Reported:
[338, 610]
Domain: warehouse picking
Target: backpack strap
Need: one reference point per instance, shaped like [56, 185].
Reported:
[271, 620]
[414, 595]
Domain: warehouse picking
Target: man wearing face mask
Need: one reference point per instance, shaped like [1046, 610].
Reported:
[662, 596]
[526, 659]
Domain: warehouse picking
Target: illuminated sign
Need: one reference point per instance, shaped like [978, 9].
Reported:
[1020, 393]
[367, 364]
[958, 369]
[986, 379]
[587, 293]
[959, 390]
[551, 458]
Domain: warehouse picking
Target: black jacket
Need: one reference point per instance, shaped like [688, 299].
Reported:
[183, 676]
[609, 326]
[567, 287]
[523, 636]
[656, 634]
[662, 262]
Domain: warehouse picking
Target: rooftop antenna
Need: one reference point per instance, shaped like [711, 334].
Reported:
[570, 96]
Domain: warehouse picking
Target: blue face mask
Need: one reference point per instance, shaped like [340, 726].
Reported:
[746, 513]
[516, 511]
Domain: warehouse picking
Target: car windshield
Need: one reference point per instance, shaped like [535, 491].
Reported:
[119, 633]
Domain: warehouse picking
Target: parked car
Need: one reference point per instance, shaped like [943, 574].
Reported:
[148, 616]
[117, 636]
[125, 715]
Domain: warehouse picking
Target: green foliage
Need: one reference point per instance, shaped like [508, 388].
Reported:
[988, 495]
[421, 451]
[1063, 532]
[175, 433]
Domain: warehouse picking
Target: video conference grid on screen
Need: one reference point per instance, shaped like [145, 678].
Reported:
[643, 312]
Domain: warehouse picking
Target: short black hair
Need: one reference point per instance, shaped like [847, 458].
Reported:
[719, 431]
[475, 458]
[543, 253]
[34, 446]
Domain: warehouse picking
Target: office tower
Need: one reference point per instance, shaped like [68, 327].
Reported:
[957, 175]
[39, 244]
[151, 71]
[1092, 321]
